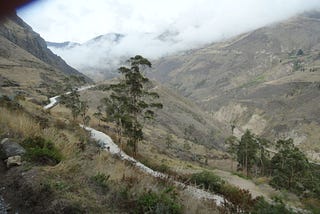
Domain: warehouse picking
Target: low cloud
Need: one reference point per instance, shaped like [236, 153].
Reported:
[151, 28]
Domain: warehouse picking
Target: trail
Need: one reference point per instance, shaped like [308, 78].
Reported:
[106, 142]
[55, 100]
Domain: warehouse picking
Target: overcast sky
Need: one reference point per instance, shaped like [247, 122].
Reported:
[190, 23]
[81, 20]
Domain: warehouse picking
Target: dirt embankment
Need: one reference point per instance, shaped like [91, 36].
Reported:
[21, 190]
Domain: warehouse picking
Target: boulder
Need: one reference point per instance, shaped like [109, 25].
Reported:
[9, 148]
[14, 161]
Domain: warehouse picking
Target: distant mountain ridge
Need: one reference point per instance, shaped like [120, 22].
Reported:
[67, 44]
[27, 66]
[100, 64]
[33, 43]
[266, 80]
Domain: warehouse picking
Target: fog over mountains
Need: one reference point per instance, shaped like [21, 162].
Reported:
[157, 31]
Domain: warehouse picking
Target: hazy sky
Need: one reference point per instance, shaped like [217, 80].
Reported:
[190, 23]
[81, 20]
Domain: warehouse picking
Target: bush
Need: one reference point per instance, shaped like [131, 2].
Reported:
[208, 180]
[154, 166]
[9, 103]
[41, 151]
[238, 200]
[263, 207]
[165, 202]
[312, 204]
[101, 179]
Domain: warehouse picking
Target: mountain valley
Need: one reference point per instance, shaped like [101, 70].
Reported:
[261, 87]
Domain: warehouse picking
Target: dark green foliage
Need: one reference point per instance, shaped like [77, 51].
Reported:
[250, 153]
[297, 65]
[247, 151]
[300, 52]
[130, 102]
[66, 84]
[83, 111]
[208, 180]
[9, 103]
[263, 207]
[72, 102]
[237, 200]
[78, 108]
[101, 179]
[163, 202]
[156, 166]
[289, 166]
[312, 204]
[41, 151]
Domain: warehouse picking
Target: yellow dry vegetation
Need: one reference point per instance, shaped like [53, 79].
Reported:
[18, 123]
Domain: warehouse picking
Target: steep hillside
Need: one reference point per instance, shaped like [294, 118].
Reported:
[26, 64]
[179, 117]
[17, 31]
[267, 80]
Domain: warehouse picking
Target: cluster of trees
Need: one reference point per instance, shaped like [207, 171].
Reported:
[65, 85]
[130, 102]
[288, 167]
[128, 106]
[78, 108]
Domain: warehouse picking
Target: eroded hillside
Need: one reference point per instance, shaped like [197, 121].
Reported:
[267, 80]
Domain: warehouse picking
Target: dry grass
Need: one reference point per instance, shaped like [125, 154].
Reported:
[198, 206]
[18, 124]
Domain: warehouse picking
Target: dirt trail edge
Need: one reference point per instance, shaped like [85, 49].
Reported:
[113, 148]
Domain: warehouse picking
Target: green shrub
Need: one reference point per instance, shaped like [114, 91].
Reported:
[155, 166]
[263, 207]
[312, 204]
[164, 202]
[237, 199]
[101, 179]
[41, 151]
[208, 180]
[9, 103]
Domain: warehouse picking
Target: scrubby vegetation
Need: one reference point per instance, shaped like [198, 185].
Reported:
[163, 202]
[41, 151]
[288, 167]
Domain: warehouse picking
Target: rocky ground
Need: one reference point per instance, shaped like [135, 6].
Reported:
[3, 207]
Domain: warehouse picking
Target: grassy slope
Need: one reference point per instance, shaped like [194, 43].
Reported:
[251, 81]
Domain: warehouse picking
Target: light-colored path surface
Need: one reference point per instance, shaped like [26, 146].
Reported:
[55, 100]
[256, 190]
[105, 141]
[110, 146]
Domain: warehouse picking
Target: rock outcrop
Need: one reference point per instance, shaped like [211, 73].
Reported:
[10, 148]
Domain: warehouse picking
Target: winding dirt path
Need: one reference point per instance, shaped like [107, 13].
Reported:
[113, 148]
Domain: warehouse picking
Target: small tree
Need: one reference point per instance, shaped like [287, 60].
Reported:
[99, 114]
[72, 101]
[115, 110]
[131, 101]
[232, 145]
[83, 109]
[247, 151]
[289, 166]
